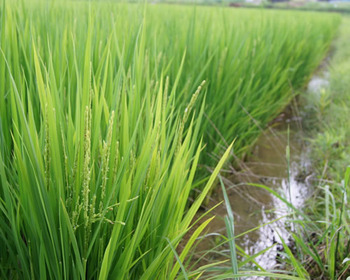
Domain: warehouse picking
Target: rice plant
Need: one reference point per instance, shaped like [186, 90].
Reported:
[105, 111]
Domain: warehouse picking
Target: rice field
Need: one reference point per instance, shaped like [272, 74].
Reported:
[108, 113]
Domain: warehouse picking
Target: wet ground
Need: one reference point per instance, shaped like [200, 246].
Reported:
[255, 207]
[261, 219]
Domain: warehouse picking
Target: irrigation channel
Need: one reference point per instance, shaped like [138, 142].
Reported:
[260, 217]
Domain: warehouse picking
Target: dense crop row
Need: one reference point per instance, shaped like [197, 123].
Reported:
[103, 113]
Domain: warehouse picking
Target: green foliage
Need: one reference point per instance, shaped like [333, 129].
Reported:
[321, 230]
[327, 248]
[102, 114]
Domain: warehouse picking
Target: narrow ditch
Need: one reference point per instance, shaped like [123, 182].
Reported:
[253, 207]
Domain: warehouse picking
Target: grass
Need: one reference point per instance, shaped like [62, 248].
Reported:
[251, 67]
[321, 230]
[330, 242]
[91, 166]
[104, 118]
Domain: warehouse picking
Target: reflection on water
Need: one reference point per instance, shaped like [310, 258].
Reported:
[254, 207]
[269, 166]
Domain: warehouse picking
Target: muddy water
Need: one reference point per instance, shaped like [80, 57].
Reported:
[255, 208]
[270, 166]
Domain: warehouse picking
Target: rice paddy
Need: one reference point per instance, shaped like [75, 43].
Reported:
[110, 115]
